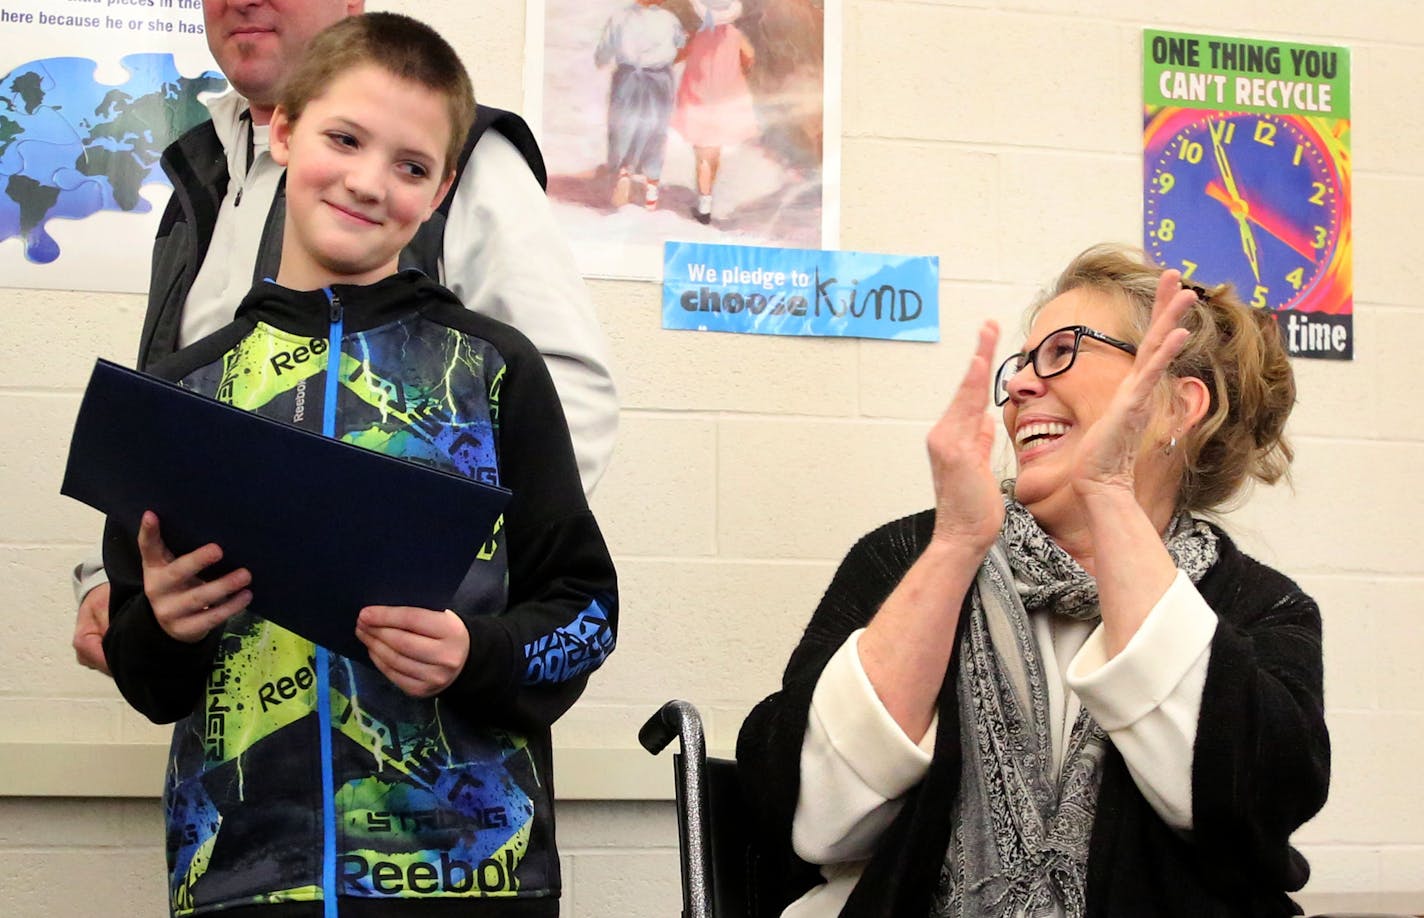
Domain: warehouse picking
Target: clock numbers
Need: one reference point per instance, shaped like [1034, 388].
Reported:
[1263, 214]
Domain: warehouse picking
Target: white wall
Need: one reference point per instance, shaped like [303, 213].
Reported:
[1002, 136]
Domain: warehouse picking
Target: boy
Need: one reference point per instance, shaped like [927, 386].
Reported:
[299, 782]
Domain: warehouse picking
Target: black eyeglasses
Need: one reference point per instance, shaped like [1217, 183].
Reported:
[1199, 290]
[1054, 356]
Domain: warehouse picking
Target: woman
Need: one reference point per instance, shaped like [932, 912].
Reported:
[1074, 698]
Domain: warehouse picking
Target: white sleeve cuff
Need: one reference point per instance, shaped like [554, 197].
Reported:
[856, 765]
[862, 733]
[88, 574]
[1169, 644]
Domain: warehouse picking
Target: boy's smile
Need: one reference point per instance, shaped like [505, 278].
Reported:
[365, 167]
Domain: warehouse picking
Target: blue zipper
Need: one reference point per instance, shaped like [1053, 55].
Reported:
[323, 662]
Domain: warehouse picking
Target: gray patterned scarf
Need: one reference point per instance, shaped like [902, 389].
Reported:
[1019, 847]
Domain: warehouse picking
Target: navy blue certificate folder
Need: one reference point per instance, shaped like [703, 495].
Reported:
[325, 527]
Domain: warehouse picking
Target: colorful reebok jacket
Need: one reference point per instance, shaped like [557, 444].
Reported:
[302, 781]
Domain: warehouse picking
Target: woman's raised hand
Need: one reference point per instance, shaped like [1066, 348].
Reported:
[1108, 455]
[968, 508]
[907, 645]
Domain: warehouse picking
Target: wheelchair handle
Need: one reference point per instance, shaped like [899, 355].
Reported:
[680, 719]
[674, 719]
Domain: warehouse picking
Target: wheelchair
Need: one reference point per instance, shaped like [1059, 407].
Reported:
[719, 867]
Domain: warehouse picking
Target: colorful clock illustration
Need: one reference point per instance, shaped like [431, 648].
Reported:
[1255, 199]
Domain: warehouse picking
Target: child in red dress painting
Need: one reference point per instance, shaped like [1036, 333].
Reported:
[714, 103]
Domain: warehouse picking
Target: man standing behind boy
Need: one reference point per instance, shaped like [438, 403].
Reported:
[422, 783]
[502, 253]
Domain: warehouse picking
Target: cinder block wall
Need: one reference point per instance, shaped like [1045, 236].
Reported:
[1002, 136]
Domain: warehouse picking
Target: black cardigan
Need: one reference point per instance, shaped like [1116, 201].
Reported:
[1260, 768]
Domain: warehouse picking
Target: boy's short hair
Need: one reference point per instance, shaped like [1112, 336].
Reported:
[401, 46]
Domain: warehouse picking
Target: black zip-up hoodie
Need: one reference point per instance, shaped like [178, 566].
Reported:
[298, 777]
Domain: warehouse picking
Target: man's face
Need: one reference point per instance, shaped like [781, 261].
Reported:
[256, 42]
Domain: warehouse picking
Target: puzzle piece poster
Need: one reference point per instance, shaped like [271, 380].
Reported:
[91, 91]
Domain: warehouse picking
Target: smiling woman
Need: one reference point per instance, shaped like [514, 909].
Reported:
[1071, 697]
[1237, 354]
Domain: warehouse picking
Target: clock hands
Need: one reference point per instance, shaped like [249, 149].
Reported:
[1285, 201]
[1267, 220]
[1239, 208]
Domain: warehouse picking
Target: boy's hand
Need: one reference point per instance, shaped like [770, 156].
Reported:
[420, 650]
[186, 607]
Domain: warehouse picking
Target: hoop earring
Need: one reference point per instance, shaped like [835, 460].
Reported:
[1171, 447]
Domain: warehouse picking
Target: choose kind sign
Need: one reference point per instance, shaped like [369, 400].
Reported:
[771, 291]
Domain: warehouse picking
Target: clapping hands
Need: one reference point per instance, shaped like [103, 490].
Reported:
[968, 508]
[1107, 459]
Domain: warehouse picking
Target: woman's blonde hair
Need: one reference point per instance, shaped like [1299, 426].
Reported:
[1235, 350]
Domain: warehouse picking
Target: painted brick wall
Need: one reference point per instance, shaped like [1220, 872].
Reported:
[1000, 135]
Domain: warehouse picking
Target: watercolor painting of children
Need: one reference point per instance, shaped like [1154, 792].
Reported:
[723, 129]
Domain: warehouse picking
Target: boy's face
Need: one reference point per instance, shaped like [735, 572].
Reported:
[365, 167]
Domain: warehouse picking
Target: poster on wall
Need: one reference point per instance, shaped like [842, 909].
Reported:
[90, 95]
[760, 290]
[1246, 154]
[714, 121]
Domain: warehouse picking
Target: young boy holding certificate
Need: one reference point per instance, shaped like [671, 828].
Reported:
[301, 782]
